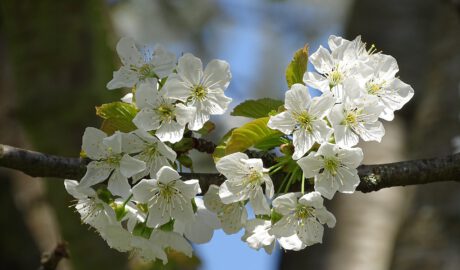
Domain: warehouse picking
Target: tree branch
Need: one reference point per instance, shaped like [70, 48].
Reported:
[373, 177]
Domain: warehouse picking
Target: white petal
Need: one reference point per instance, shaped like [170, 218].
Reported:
[170, 132]
[322, 60]
[328, 149]
[190, 69]
[189, 188]
[259, 202]
[177, 89]
[321, 131]
[344, 136]
[78, 192]
[303, 141]
[167, 174]
[285, 203]
[269, 188]
[128, 52]
[146, 94]
[172, 240]
[96, 172]
[184, 114]
[310, 165]
[199, 232]
[316, 81]
[113, 143]
[232, 165]
[326, 185]
[230, 192]
[325, 217]
[282, 122]
[129, 166]
[372, 132]
[311, 232]
[166, 151]
[199, 118]
[312, 199]
[92, 143]
[217, 75]
[320, 106]
[142, 192]
[352, 157]
[283, 228]
[131, 143]
[216, 102]
[147, 120]
[157, 215]
[124, 77]
[118, 184]
[233, 220]
[297, 98]
[128, 98]
[349, 179]
[212, 200]
[291, 243]
[163, 61]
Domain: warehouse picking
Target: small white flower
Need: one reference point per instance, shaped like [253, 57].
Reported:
[202, 228]
[392, 93]
[138, 67]
[160, 113]
[304, 118]
[201, 90]
[232, 216]
[357, 46]
[167, 197]
[149, 149]
[302, 221]
[148, 249]
[333, 168]
[335, 67]
[172, 240]
[244, 179]
[108, 160]
[356, 117]
[257, 235]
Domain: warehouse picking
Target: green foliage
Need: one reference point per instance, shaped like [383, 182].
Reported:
[297, 67]
[117, 116]
[257, 108]
[253, 134]
[185, 161]
[184, 145]
[207, 128]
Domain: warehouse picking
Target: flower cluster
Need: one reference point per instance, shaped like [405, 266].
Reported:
[133, 195]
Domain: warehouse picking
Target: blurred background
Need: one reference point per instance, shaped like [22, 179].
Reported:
[57, 56]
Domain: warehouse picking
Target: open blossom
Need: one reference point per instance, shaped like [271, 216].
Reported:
[335, 67]
[201, 229]
[392, 93]
[167, 197]
[149, 149]
[333, 168]
[138, 67]
[244, 179]
[232, 216]
[257, 235]
[160, 113]
[304, 119]
[302, 221]
[203, 90]
[356, 117]
[108, 160]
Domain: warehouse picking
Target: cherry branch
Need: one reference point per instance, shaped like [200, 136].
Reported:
[373, 177]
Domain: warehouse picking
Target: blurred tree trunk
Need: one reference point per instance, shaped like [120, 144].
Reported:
[60, 62]
[423, 37]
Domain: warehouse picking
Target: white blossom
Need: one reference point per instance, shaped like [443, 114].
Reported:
[149, 149]
[160, 113]
[203, 90]
[108, 161]
[172, 240]
[232, 216]
[244, 179]
[302, 221]
[335, 67]
[392, 93]
[138, 66]
[356, 117]
[201, 229]
[304, 119]
[257, 235]
[333, 169]
[167, 197]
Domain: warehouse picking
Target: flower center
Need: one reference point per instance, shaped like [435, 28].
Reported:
[351, 118]
[167, 192]
[146, 71]
[199, 92]
[374, 88]
[305, 121]
[303, 212]
[166, 112]
[255, 178]
[331, 164]
[335, 78]
[114, 159]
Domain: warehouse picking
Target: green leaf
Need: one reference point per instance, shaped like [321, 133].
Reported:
[207, 128]
[297, 67]
[185, 161]
[253, 134]
[257, 108]
[184, 145]
[220, 148]
[117, 116]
